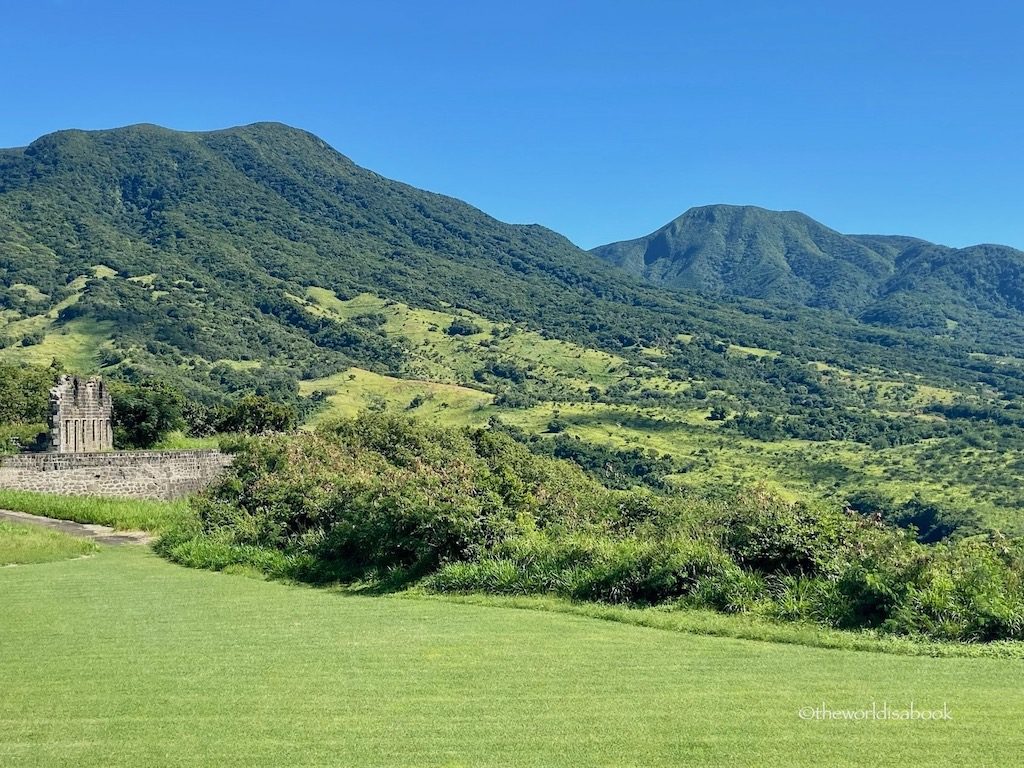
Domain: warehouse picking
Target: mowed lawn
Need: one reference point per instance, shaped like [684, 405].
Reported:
[122, 659]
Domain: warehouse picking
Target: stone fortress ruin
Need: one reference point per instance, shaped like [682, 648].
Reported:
[80, 416]
[80, 458]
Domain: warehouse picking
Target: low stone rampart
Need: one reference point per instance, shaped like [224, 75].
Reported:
[129, 474]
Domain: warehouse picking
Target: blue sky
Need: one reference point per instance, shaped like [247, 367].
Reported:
[602, 120]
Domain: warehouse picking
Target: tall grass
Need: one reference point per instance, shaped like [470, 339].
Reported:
[122, 514]
[25, 544]
[740, 626]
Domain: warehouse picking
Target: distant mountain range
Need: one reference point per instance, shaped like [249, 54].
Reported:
[147, 249]
[787, 257]
[152, 249]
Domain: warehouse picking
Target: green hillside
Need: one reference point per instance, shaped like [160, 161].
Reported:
[786, 257]
[192, 243]
[259, 259]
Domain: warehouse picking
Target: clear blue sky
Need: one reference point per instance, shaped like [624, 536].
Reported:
[602, 120]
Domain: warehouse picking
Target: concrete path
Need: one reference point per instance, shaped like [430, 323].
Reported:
[98, 533]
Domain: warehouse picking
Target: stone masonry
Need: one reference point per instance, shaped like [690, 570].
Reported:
[129, 474]
[80, 416]
[81, 460]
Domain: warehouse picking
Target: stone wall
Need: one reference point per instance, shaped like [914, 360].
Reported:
[131, 474]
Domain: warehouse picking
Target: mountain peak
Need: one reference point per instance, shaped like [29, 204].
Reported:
[745, 250]
[788, 257]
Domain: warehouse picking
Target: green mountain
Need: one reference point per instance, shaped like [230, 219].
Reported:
[147, 248]
[747, 251]
[160, 245]
[259, 259]
[237, 217]
[787, 257]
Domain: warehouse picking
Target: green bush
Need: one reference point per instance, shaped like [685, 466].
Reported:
[463, 327]
[18, 437]
[971, 590]
[145, 413]
[382, 492]
[386, 498]
[256, 414]
[769, 535]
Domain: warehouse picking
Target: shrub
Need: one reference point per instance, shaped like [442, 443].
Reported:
[144, 413]
[382, 491]
[460, 327]
[257, 414]
[769, 535]
[386, 497]
[970, 590]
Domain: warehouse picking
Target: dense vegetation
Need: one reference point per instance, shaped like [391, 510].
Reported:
[787, 257]
[25, 405]
[258, 262]
[389, 498]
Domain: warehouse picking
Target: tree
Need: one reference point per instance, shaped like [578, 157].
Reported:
[256, 414]
[718, 413]
[145, 413]
[460, 327]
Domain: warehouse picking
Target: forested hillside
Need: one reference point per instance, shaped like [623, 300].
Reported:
[969, 294]
[260, 261]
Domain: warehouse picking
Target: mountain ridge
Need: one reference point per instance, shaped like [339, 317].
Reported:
[200, 245]
[787, 257]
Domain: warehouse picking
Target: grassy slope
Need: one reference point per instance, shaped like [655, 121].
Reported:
[123, 659]
[356, 389]
[452, 359]
[76, 343]
[26, 544]
[979, 479]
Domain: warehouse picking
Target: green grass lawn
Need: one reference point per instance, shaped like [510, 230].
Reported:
[122, 514]
[125, 660]
[26, 544]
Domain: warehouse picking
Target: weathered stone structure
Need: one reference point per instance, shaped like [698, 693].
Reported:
[129, 474]
[80, 416]
[80, 459]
